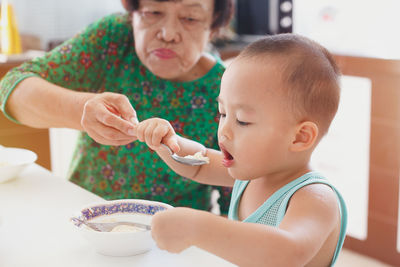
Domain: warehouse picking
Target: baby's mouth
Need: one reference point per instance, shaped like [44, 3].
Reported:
[228, 158]
[227, 155]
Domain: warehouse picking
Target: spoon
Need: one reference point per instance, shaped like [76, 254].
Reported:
[108, 226]
[184, 160]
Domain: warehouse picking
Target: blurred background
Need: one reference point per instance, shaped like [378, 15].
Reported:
[361, 153]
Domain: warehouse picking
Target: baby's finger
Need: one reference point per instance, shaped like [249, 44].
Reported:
[173, 144]
[148, 134]
[159, 133]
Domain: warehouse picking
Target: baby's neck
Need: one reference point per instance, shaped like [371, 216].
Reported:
[260, 189]
[274, 181]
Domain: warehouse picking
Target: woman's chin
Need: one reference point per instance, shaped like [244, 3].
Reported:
[167, 73]
[168, 69]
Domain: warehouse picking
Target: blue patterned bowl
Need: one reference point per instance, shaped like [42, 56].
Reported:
[119, 243]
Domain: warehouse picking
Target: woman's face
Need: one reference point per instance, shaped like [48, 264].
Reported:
[171, 36]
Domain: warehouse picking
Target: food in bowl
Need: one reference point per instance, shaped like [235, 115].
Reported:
[127, 228]
[123, 241]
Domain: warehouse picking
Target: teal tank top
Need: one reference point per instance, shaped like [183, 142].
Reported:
[274, 208]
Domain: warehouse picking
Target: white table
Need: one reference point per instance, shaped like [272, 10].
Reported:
[35, 230]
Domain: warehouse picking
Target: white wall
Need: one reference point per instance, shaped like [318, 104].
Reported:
[357, 27]
[62, 146]
[343, 154]
[60, 19]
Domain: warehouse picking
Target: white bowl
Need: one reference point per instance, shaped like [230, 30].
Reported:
[119, 243]
[13, 161]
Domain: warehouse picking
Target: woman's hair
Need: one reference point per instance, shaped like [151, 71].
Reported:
[309, 75]
[223, 11]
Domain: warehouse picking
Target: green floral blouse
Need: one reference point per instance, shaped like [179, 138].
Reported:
[102, 58]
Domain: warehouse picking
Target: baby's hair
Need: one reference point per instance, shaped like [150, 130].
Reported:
[308, 72]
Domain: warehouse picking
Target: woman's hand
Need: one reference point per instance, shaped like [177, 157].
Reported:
[174, 229]
[155, 131]
[109, 119]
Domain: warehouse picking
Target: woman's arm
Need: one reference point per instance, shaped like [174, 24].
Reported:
[36, 93]
[40, 104]
[107, 117]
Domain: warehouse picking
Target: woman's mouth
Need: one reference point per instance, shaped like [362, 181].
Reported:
[164, 53]
[228, 160]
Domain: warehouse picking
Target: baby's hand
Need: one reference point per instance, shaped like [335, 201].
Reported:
[155, 131]
[174, 229]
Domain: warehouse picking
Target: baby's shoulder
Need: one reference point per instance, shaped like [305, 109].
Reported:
[317, 194]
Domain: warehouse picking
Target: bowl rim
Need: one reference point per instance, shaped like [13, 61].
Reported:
[33, 155]
[110, 203]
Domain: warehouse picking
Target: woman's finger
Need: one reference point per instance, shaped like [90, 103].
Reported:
[101, 140]
[122, 105]
[112, 120]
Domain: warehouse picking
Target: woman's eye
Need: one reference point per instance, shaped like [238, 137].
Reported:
[189, 20]
[222, 115]
[151, 14]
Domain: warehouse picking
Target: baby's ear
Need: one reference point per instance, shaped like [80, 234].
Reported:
[305, 136]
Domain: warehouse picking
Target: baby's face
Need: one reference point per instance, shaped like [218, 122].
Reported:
[255, 129]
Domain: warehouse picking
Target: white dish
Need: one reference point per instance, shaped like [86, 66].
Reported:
[13, 161]
[119, 243]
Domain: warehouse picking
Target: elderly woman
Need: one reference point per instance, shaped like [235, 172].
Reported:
[121, 69]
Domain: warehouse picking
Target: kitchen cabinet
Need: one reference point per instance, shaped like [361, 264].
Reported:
[16, 135]
[384, 156]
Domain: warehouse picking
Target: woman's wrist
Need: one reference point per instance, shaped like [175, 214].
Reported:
[76, 105]
[47, 105]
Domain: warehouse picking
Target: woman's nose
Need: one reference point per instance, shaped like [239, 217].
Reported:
[170, 31]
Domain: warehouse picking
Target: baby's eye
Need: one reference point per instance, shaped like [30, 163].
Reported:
[222, 115]
[242, 123]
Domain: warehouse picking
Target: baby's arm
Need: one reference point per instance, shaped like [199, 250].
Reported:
[155, 131]
[311, 217]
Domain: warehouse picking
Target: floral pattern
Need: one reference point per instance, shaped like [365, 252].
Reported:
[124, 207]
[102, 58]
